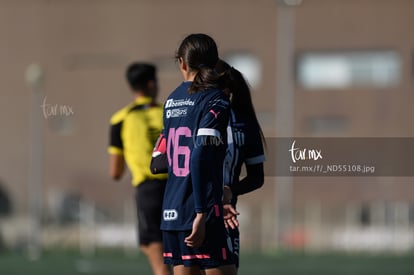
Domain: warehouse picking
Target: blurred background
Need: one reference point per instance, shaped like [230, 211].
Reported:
[317, 68]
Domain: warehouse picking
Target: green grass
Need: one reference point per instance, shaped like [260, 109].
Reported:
[327, 264]
[70, 262]
[116, 262]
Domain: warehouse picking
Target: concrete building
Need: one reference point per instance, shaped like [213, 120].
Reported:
[321, 68]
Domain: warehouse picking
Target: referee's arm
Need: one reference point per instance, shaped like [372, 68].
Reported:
[116, 166]
[115, 150]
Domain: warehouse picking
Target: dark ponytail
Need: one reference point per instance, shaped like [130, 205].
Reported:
[206, 78]
[199, 52]
[241, 100]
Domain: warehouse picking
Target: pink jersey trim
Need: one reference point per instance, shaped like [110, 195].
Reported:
[224, 253]
[197, 256]
[217, 210]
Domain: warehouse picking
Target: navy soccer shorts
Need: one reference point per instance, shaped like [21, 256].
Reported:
[234, 235]
[214, 252]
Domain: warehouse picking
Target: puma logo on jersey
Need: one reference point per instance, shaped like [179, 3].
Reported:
[214, 113]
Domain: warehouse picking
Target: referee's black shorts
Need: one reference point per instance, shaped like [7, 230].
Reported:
[148, 196]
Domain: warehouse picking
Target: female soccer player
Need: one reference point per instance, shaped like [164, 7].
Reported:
[196, 115]
[244, 146]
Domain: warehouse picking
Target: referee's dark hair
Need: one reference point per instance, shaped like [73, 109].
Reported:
[139, 74]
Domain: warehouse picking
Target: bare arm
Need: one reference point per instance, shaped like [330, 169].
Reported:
[198, 233]
[116, 166]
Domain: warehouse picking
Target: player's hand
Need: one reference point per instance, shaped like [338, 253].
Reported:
[198, 233]
[230, 216]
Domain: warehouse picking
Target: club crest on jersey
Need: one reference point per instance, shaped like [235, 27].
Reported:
[170, 215]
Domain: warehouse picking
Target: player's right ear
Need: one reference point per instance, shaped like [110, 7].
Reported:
[183, 66]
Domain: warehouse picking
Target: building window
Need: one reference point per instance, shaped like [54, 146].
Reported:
[341, 70]
[248, 64]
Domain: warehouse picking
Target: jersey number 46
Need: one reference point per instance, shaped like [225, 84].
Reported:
[173, 143]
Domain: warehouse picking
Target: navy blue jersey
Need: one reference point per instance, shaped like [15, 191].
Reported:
[244, 146]
[195, 132]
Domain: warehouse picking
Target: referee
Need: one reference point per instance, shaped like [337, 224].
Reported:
[133, 132]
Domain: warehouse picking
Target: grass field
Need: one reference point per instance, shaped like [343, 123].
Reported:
[116, 263]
